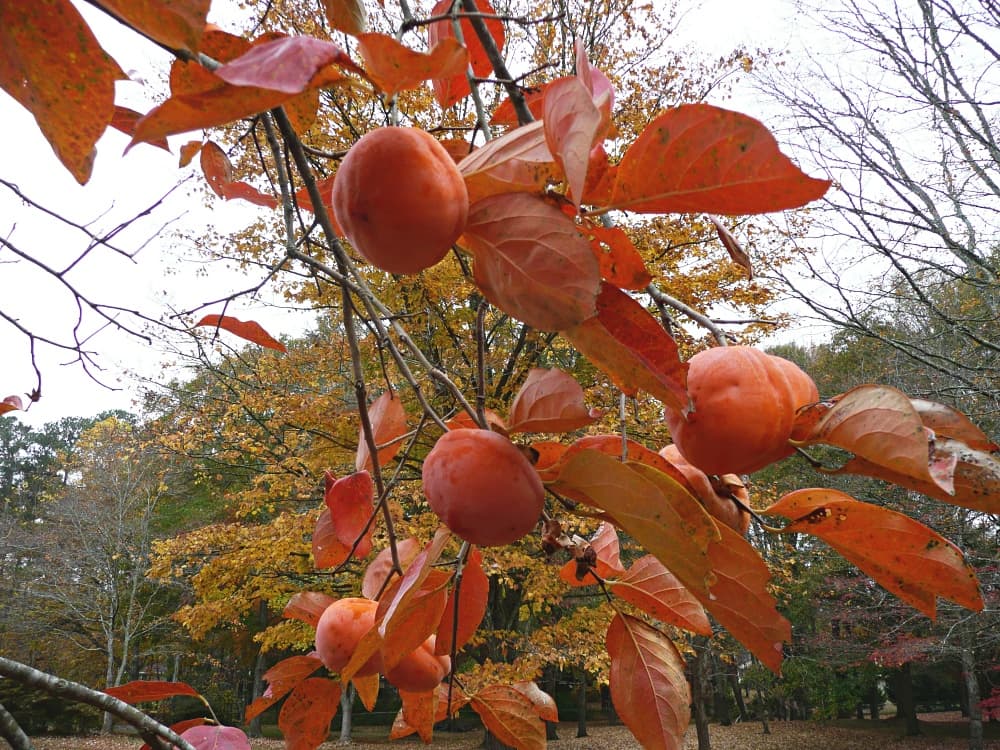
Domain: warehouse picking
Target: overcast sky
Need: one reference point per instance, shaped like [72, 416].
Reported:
[121, 187]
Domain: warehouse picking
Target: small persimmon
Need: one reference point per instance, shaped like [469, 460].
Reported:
[482, 487]
[719, 506]
[744, 402]
[420, 670]
[341, 626]
[400, 199]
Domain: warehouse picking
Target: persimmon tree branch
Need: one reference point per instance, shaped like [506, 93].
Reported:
[662, 297]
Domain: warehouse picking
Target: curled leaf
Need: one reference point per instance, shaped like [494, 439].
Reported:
[249, 330]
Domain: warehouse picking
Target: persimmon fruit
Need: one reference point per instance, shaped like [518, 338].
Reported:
[400, 199]
[712, 494]
[420, 670]
[341, 626]
[744, 402]
[482, 487]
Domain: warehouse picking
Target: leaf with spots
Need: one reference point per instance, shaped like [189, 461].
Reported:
[620, 261]
[699, 158]
[53, 66]
[510, 716]
[281, 679]
[305, 717]
[178, 24]
[909, 559]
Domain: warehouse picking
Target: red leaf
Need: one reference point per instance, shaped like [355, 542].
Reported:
[288, 64]
[328, 551]
[699, 158]
[545, 705]
[139, 691]
[282, 678]
[53, 66]
[11, 403]
[906, 557]
[949, 422]
[394, 67]
[249, 330]
[531, 262]
[648, 687]
[606, 546]
[519, 161]
[449, 89]
[178, 24]
[188, 151]
[305, 717]
[473, 596]
[732, 245]
[573, 126]
[401, 727]
[219, 174]
[505, 114]
[657, 592]
[325, 188]
[510, 716]
[549, 401]
[388, 421]
[180, 727]
[378, 569]
[348, 16]
[307, 606]
[620, 262]
[631, 347]
[216, 738]
[124, 120]
[350, 502]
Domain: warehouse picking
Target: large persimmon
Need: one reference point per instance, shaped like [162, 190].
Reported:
[341, 626]
[400, 199]
[744, 407]
[717, 496]
[420, 670]
[482, 487]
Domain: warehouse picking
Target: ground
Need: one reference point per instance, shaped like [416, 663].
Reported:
[943, 732]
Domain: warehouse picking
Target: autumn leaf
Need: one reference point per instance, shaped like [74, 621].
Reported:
[657, 592]
[647, 682]
[304, 719]
[248, 330]
[282, 678]
[367, 688]
[180, 727]
[445, 695]
[124, 120]
[11, 403]
[951, 423]
[350, 500]
[620, 262]
[140, 691]
[287, 64]
[505, 113]
[510, 716]
[531, 262]
[549, 401]
[219, 173]
[632, 348]
[697, 158]
[418, 713]
[879, 424]
[519, 161]
[53, 66]
[393, 67]
[545, 705]
[328, 551]
[573, 125]
[732, 245]
[378, 569]
[307, 606]
[388, 421]
[178, 24]
[349, 16]
[449, 89]
[188, 151]
[900, 553]
[469, 604]
[216, 738]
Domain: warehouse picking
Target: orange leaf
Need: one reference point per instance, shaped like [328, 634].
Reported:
[464, 421]
[951, 423]
[53, 66]
[648, 687]
[531, 262]
[612, 445]
[388, 421]
[732, 245]
[606, 547]
[325, 188]
[545, 705]
[11, 403]
[621, 264]
[394, 67]
[449, 89]
[219, 174]
[348, 16]
[124, 120]
[282, 678]
[657, 592]
[510, 716]
[573, 126]
[178, 24]
[188, 151]
[458, 699]
[350, 502]
[367, 688]
[304, 719]
[378, 569]
[505, 114]
[418, 713]
[632, 348]
[519, 161]
[699, 158]
[549, 401]
[307, 606]
[249, 330]
[879, 424]
[899, 552]
[192, 77]
[473, 596]
[140, 691]
[328, 551]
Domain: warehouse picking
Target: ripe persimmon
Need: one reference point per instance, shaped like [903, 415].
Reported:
[400, 199]
[482, 487]
[421, 670]
[719, 506]
[339, 629]
[744, 407]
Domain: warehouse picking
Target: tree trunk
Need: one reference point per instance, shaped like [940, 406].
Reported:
[551, 683]
[873, 700]
[608, 705]
[257, 689]
[346, 714]
[720, 698]
[698, 670]
[734, 683]
[108, 722]
[972, 694]
[581, 706]
[906, 708]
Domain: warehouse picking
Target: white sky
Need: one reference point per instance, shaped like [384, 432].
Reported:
[122, 186]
